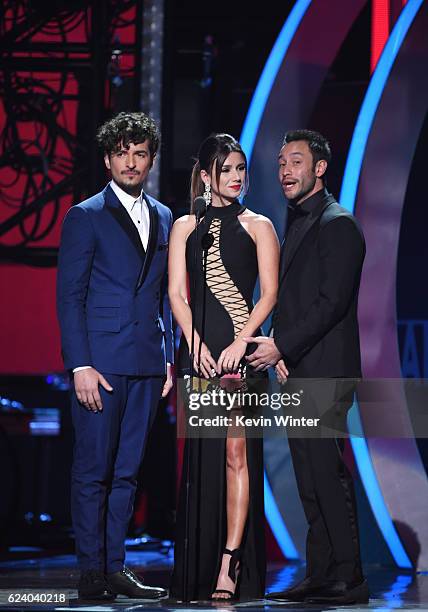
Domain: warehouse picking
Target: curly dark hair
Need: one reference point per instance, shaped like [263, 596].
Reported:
[125, 128]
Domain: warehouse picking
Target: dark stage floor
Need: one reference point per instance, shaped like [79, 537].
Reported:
[32, 570]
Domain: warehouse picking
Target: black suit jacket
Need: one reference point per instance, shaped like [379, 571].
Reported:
[315, 321]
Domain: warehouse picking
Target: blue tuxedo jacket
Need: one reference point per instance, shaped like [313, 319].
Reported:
[112, 298]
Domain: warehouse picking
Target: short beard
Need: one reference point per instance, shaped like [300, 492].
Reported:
[132, 190]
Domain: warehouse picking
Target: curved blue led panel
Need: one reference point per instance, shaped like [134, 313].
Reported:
[371, 102]
[268, 76]
[374, 494]
[347, 199]
[277, 525]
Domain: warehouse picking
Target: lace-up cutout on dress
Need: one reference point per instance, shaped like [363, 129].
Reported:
[231, 277]
[221, 284]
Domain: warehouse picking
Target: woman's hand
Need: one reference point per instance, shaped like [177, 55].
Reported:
[231, 356]
[281, 371]
[207, 366]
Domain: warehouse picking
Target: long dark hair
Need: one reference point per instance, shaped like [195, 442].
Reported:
[214, 149]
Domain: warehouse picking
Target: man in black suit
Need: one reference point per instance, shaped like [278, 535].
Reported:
[315, 335]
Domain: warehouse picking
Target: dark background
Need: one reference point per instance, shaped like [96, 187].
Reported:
[52, 103]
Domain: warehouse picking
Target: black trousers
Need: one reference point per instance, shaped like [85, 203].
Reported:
[327, 494]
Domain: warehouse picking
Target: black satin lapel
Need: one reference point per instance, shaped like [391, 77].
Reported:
[126, 223]
[152, 242]
[291, 251]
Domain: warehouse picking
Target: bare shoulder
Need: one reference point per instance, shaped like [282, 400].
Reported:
[184, 225]
[257, 223]
[184, 221]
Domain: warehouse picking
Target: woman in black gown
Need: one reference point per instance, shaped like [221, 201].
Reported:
[226, 552]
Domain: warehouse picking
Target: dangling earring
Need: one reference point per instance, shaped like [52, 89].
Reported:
[207, 194]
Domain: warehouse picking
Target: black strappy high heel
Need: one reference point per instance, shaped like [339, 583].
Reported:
[235, 561]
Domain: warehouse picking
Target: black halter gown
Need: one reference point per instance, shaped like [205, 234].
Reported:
[231, 276]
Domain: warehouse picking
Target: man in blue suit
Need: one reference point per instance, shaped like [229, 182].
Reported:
[117, 340]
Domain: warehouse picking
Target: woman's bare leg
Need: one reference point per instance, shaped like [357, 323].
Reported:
[237, 501]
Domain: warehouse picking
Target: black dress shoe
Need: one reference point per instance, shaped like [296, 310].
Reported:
[299, 592]
[93, 586]
[127, 583]
[341, 593]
